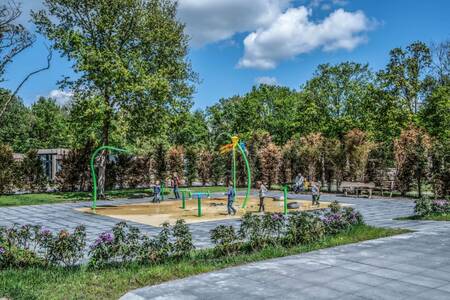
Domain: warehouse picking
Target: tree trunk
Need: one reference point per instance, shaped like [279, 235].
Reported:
[104, 153]
[419, 186]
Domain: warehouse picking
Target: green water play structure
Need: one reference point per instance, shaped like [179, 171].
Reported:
[233, 147]
[94, 176]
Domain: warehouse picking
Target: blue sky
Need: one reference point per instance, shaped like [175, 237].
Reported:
[238, 43]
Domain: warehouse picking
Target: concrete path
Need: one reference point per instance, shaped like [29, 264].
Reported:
[412, 266]
[408, 266]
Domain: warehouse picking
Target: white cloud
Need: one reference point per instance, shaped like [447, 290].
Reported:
[62, 97]
[293, 33]
[210, 21]
[266, 80]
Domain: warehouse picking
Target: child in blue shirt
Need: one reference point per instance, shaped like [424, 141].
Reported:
[157, 193]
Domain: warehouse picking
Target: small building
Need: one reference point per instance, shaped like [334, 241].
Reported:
[51, 160]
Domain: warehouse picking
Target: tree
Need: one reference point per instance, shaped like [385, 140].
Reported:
[411, 158]
[270, 158]
[435, 113]
[310, 153]
[205, 159]
[406, 75]
[191, 167]
[15, 124]
[129, 54]
[7, 168]
[357, 148]
[48, 125]
[75, 174]
[441, 61]
[440, 168]
[32, 172]
[175, 161]
[339, 93]
[14, 39]
[159, 162]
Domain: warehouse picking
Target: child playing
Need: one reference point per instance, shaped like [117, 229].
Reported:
[230, 200]
[157, 193]
[262, 194]
[315, 190]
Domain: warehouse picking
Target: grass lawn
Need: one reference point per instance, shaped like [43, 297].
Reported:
[58, 197]
[433, 217]
[111, 283]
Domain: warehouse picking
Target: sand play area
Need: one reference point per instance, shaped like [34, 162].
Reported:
[213, 209]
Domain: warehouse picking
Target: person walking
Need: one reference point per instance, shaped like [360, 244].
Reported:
[262, 193]
[175, 185]
[230, 199]
[315, 190]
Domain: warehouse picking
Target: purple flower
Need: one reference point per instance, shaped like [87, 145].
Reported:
[277, 217]
[46, 232]
[2, 250]
[106, 237]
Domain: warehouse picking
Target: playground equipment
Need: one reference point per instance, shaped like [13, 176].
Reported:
[235, 144]
[94, 176]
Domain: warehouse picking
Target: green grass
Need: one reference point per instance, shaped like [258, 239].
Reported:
[432, 217]
[49, 198]
[111, 283]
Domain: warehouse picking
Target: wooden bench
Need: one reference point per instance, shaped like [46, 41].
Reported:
[357, 188]
[386, 186]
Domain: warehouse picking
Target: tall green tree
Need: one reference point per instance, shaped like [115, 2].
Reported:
[129, 53]
[407, 74]
[340, 94]
[15, 123]
[48, 125]
[435, 113]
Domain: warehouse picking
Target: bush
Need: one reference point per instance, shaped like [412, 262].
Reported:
[352, 216]
[67, 248]
[335, 206]
[158, 249]
[260, 231]
[303, 228]
[6, 169]
[225, 239]
[183, 244]
[32, 172]
[440, 206]
[423, 206]
[122, 244]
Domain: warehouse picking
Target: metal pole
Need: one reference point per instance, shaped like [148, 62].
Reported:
[183, 199]
[249, 177]
[199, 205]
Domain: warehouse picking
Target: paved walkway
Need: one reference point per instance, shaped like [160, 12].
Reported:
[409, 266]
[412, 266]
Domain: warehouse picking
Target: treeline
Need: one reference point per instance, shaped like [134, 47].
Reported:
[348, 122]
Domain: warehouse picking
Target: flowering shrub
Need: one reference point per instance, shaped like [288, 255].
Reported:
[261, 231]
[352, 216]
[303, 228]
[334, 223]
[67, 248]
[440, 206]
